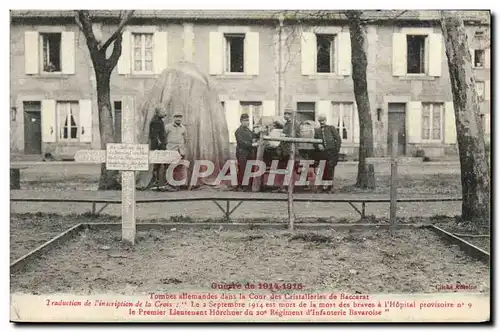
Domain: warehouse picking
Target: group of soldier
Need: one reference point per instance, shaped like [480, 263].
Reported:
[173, 136]
[328, 150]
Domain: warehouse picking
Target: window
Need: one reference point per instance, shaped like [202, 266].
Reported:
[343, 120]
[235, 58]
[142, 52]
[306, 111]
[480, 90]
[325, 54]
[68, 118]
[254, 111]
[50, 44]
[415, 54]
[479, 58]
[117, 114]
[432, 122]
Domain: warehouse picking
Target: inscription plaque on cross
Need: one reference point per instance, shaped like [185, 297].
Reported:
[128, 158]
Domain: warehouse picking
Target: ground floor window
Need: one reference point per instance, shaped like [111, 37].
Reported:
[432, 122]
[343, 120]
[254, 111]
[68, 120]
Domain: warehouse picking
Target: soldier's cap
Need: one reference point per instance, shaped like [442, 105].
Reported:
[177, 114]
[244, 116]
[321, 117]
[288, 111]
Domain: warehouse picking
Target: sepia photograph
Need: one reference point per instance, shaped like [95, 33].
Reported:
[250, 166]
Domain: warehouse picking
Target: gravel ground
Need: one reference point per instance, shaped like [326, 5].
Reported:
[365, 261]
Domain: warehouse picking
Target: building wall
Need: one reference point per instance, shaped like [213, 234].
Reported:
[190, 41]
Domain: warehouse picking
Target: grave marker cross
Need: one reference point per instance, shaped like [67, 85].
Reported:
[128, 157]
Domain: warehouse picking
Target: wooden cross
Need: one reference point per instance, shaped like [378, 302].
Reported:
[128, 157]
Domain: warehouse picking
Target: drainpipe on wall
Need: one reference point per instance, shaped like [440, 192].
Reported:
[281, 87]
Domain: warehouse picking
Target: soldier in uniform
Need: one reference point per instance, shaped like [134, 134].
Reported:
[244, 148]
[176, 140]
[329, 150]
[157, 141]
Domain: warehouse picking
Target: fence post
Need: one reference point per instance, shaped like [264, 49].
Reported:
[394, 175]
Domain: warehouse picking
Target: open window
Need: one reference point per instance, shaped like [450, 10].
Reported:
[51, 52]
[479, 58]
[325, 53]
[416, 54]
[235, 53]
[68, 120]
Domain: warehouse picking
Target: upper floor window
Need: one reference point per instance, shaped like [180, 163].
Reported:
[479, 58]
[235, 53]
[142, 55]
[51, 52]
[325, 54]
[416, 54]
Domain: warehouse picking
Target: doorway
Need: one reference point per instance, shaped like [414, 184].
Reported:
[397, 121]
[32, 127]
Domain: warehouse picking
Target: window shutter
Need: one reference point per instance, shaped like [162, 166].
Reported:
[344, 54]
[435, 54]
[251, 56]
[414, 122]
[160, 53]
[450, 128]
[85, 125]
[355, 122]
[308, 53]
[487, 128]
[31, 53]
[487, 58]
[124, 63]
[216, 53]
[49, 120]
[268, 108]
[399, 54]
[68, 52]
[325, 108]
[472, 57]
[487, 90]
[232, 118]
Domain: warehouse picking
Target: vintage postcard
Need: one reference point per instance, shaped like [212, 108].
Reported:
[250, 166]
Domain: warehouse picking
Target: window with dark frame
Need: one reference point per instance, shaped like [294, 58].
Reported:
[51, 52]
[325, 59]
[479, 58]
[117, 112]
[235, 53]
[415, 54]
[306, 111]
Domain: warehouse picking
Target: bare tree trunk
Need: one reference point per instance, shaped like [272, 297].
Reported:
[108, 179]
[366, 173]
[103, 67]
[470, 134]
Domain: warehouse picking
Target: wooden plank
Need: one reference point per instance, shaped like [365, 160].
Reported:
[84, 157]
[293, 139]
[465, 246]
[20, 263]
[112, 197]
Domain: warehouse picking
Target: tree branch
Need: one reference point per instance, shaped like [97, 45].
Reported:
[125, 16]
[83, 20]
[117, 52]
